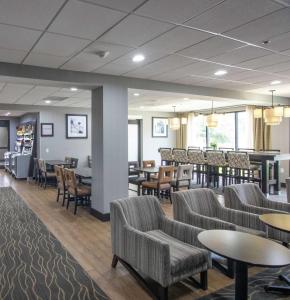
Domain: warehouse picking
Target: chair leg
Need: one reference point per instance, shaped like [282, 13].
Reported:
[115, 261]
[58, 192]
[64, 196]
[203, 280]
[68, 201]
[163, 293]
[76, 205]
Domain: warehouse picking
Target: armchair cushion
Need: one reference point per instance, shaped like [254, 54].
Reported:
[183, 257]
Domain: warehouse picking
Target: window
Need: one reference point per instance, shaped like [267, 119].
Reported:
[223, 136]
[243, 130]
[196, 131]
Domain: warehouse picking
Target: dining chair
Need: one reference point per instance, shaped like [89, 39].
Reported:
[183, 177]
[36, 170]
[61, 187]
[74, 163]
[179, 156]
[78, 193]
[46, 176]
[225, 149]
[216, 167]
[148, 163]
[193, 148]
[166, 156]
[197, 159]
[134, 176]
[161, 186]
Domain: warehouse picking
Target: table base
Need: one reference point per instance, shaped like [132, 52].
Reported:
[279, 288]
[241, 281]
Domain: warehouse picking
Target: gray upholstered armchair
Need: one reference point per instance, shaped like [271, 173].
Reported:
[144, 239]
[248, 197]
[201, 208]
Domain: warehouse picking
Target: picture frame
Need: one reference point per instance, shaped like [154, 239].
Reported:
[76, 126]
[159, 127]
[47, 129]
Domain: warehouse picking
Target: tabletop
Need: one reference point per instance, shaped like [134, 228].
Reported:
[246, 248]
[278, 221]
[85, 172]
[57, 162]
[148, 170]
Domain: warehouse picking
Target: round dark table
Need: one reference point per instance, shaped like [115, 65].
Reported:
[245, 249]
[279, 222]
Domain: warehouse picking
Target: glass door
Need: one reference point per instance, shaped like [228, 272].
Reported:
[134, 140]
[4, 139]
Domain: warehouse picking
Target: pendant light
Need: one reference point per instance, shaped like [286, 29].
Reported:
[287, 112]
[258, 112]
[212, 119]
[174, 123]
[273, 116]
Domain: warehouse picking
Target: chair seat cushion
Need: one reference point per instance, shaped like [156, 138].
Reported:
[154, 184]
[183, 257]
[83, 190]
[182, 183]
[251, 231]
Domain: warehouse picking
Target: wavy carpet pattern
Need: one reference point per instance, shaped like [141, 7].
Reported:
[255, 287]
[33, 263]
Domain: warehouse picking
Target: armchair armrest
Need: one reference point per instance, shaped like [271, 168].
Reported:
[147, 254]
[208, 223]
[276, 205]
[241, 218]
[260, 210]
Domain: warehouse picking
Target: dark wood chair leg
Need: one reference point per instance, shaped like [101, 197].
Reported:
[64, 197]
[58, 192]
[163, 293]
[68, 201]
[114, 261]
[76, 205]
[203, 280]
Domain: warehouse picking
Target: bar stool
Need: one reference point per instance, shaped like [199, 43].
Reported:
[197, 159]
[216, 167]
[166, 156]
[180, 156]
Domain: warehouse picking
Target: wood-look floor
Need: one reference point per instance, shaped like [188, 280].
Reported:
[88, 240]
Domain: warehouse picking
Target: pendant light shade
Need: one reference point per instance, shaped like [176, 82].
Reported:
[273, 116]
[212, 119]
[287, 112]
[278, 111]
[174, 123]
[258, 113]
[183, 121]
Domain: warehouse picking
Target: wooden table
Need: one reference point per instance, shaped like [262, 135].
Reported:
[245, 249]
[265, 158]
[53, 163]
[280, 222]
[148, 171]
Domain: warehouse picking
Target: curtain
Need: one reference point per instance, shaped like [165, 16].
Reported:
[181, 134]
[262, 135]
[190, 129]
[250, 127]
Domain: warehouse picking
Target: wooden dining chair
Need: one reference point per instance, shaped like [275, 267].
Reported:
[61, 186]
[149, 164]
[78, 193]
[74, 163]
[36, 170]
[46, 176]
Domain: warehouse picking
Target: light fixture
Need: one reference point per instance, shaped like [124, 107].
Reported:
[73, 89]
[47, 101]
[185, 98]
[141, 107]
[8, 113]
[221, 72]
[273, 115]
[136, 94]
[212, 119]
[287, 112]
[183, 121]
[275, 82]
[174, 123]
[138, 58]
[258, 112]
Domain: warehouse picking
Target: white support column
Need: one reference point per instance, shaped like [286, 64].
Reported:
[109, 147]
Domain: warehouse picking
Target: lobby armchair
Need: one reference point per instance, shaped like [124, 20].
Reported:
[164, 250]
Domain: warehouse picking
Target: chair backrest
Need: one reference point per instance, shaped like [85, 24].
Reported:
[246, 149]
[208, 148]
[195, 157]
[132, 165]
[67, 159]
[166, 154]
[179, 155]
[148, 163]
[59, 176]
[74, 163]
[239, 160]
[216, 158]
[165, 174]
[201, 201]
[42, 165]
[184, 172]
[142, 213]
[89, 161]
[226, 149]
[247, 193]
[193, 148]
[71, 181]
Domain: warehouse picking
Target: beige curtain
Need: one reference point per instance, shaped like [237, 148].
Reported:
[181, 134]
[262, 135]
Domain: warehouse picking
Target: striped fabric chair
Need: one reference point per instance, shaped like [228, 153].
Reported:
[249, 198]
[201, 208]
[180, 156]
[144, 239]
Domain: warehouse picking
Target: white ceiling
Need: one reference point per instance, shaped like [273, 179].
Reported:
[184, 41]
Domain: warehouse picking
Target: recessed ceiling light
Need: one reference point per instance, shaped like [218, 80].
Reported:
[47, 101]
[73, 89]
[136, 94]
[8, 113]
[266, 42]
[275, 82]
[141, 107]
[220, 72]
[138, 58]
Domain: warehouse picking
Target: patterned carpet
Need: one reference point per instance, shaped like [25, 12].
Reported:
[33, 263]
[256, 287]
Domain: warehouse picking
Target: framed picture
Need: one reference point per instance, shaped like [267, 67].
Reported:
[47, 129]
[159, 127]
[76, 126]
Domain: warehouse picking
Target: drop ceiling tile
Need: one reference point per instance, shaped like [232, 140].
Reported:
[175, 11]
[124, 5]
[190, 80]
[88, 60]
[29, 13]
[280, 42]
[84, 20]
[12, 56]
[261, 78]
[134, 31]
[263, 28]
[211, 47]
[263, 61]
[178, 38]
[168, 63]
[222, 17]
[44, 60]
[37, 94]
[17, 38]
[241, 54]
[11, 92]
[59, 45]
[284, 73]
[276, 67]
